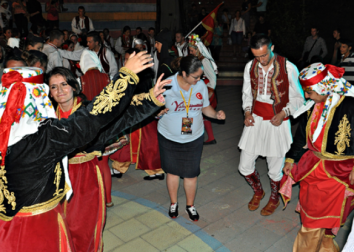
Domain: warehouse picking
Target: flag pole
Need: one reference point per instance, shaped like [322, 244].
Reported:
[198, 24]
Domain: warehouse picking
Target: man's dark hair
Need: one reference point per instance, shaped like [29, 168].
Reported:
[180, 32]
[338, 30]
[95, 36]
[189, 64]
[139, 28]
[5, 29]
[15, 58]
[55, 34]
[131, 50]
[193, 5]
[259, 40]
[14, 32]
[126, 28]
[225, 10]
[347, 42]
[105, 29]
[81, 8]
[315, 27]
[151, 28]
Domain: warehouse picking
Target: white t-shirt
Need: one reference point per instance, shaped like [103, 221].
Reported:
[170, 125]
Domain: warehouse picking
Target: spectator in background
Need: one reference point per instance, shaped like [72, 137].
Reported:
[226, 19]
[75, 39]
[123, 43]
[143, 37]
[181, 45]
[34, 58]
[5, 14]
[70, 64]
[151, 37]
[82, 24]
[34, 9]
[347, 61]
[262, 26]
[314, 45]
[34, 43]
[105, 55]
[246, 11]
[261, 7]
[138, 30]
[20, 15]
[216, 44]
[66, 34]
[336, 51]
[108, 38]
[237, 31]
[53, 9]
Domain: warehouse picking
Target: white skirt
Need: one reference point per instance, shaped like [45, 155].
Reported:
[265, 139]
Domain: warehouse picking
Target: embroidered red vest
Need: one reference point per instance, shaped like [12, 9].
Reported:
[86, 22]
[102, 56]
[279, 83]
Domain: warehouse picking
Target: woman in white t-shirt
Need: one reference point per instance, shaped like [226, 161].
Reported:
[181, 132]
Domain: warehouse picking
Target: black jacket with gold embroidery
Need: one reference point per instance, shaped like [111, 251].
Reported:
[338, 140]
[33, 181]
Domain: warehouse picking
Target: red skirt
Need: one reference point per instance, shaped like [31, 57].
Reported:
[43, 232]
[85, 211]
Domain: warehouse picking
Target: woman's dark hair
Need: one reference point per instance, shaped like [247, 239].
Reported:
[66, 44]
[126, 28]
[32, 57]
[189, 64]
[70, 79]
[31, 42]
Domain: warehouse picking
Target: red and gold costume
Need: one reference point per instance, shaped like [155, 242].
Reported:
[322, 157]
[92, 82]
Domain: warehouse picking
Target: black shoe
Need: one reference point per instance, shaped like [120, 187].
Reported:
[173, 211]
[159, 176]
[192, 212]
[210, 142]
[117, 175]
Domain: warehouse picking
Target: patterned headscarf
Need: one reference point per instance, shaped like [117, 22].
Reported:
[196, 43]
[324, 80]
[23, 104]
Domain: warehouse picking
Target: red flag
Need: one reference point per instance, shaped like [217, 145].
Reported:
[209, 24]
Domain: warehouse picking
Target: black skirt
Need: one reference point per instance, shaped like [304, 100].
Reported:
[181, 159]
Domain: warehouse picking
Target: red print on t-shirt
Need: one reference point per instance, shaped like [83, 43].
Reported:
[199, 96]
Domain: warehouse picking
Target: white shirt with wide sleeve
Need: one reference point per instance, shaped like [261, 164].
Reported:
[238, 26]
[113, 67]
[263, 138]
[118, 46]
[77, 29]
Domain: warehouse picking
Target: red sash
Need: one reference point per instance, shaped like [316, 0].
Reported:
[264, 110]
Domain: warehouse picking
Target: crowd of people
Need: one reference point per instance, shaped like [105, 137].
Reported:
[148, 100]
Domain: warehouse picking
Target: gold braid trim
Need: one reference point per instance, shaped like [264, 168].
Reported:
[289, 160]
[342, 135]
[58, 173]
[4, 193]
[137, 99]
[154, 99]
[126, 71]
[111, 95]
[75, 107]
[84, 158]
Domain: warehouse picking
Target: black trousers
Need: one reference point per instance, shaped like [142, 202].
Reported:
[21, 24]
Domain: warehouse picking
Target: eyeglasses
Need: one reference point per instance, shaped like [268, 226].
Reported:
[196, 78]
[262, 56]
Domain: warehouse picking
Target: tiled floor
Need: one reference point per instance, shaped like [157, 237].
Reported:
[139, 220]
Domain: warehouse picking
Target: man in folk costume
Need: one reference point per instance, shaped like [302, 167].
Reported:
[181, 45]
[76, 40]
[321, 158]
[197, 48]
[106, 56]
[123, 43]
[94, 78]
[55, 54]
[82, 24]
[34, 146]
[271, 93]
[139, 44]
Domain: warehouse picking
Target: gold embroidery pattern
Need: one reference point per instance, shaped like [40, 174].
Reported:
[4, 193]
[137, 99]
[111, 96]
[58, 174]
[342, 135]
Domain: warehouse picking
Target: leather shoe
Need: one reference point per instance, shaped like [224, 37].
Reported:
[254, 203]
[210, 142]
[117, 175]
[159, 177]
[269, 208]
